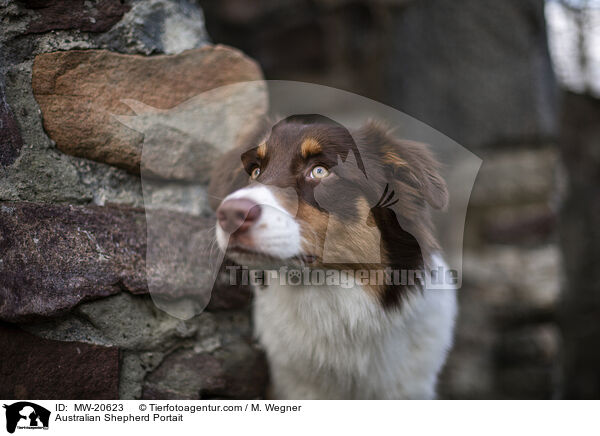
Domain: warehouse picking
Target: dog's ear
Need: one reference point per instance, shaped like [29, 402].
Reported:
[414, 160]
[228, 175]
[408, 162]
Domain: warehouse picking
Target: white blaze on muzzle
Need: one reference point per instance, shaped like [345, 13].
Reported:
[276, 232]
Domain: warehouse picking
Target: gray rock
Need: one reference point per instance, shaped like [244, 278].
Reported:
[110, 185]
[180, 27]
[43, 176]
[237, 370]
[10, 137]
[134, 323]
[134, 367]
[68, 271]
[130, 322]
[157, 26]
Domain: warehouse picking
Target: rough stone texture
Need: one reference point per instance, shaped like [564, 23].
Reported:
[235, 374]
[43, 176]
[86, 16]
[172, 379]
[231, 368]
[126, 321]
[150, 27]
[580, 244]
[244, 372]
[157, 26]
[10, 137]
[65, 263]
[79, 93]
[31, 367]
[209, 355]
[55, 256]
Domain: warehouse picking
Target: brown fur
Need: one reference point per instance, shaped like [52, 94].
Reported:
[310, 147]
[394, 195]
[261, 151]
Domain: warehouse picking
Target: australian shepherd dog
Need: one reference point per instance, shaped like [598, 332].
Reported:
[308, 196]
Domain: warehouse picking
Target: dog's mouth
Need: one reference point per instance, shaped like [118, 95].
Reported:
[249, 253]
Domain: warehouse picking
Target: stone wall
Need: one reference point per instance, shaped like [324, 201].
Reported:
[76, 317]
[477, 71]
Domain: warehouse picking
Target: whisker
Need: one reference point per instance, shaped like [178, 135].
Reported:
[215, 197]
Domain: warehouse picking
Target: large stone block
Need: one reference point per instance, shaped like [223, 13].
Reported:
[83, 93]
[235, 371]
[83, 15]
[31, 367]
[53, 257]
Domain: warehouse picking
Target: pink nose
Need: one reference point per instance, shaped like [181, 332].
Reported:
[238, 215]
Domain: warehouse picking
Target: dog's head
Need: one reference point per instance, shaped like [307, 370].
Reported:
[307, 191]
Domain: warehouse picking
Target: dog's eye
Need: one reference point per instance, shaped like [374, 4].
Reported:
[255, 173]
[319, 172]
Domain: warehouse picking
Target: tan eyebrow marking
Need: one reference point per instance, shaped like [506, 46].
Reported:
[309, 147]
[393, 159]
[261, 151]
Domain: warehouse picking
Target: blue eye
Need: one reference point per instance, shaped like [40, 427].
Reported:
[319, 172]
[255, 173]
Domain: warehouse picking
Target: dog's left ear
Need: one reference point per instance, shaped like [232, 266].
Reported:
[415, 160]
[409, 162]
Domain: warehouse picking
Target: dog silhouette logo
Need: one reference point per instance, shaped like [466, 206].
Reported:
[26, 415]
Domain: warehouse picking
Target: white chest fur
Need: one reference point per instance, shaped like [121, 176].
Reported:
[335, 343]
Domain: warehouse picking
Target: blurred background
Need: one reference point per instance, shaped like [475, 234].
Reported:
[517, 82]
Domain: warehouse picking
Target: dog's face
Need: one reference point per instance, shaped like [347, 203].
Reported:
[311, 193]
